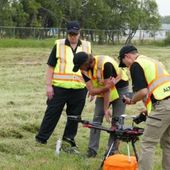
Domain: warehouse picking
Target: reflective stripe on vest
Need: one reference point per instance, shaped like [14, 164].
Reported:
[161, 80]
[68, 77]
[99, 68]
[97, 77]
[63, 75]
[62, 53]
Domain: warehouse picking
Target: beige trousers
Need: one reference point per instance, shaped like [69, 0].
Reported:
[155, 132]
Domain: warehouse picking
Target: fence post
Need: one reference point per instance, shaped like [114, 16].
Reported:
[14, 32]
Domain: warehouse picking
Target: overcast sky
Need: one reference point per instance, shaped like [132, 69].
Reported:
[163, 7]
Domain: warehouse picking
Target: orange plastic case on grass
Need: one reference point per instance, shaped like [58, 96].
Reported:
[120, 162]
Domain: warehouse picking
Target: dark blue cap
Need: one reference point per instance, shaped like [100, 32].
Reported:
[73, 27]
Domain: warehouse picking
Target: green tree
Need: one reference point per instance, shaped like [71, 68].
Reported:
[31, 8]
[137, 14]
[5, 13]
[19, 16]
[50, 13]
[125, 17]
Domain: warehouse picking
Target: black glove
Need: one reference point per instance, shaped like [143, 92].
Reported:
[140, 118]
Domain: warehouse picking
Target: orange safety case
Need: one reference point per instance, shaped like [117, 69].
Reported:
[120, 162]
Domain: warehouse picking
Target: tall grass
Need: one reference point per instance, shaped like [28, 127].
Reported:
[32, 43]
[22, 105]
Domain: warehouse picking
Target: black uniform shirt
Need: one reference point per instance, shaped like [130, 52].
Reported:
[52, 60]
[138, 79]
[109, 71]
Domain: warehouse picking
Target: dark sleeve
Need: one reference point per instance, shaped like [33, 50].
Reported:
[138, 77]
[52, 60]
[109, 71]
[86, 79]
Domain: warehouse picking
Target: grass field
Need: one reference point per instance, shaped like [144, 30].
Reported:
[22, 105]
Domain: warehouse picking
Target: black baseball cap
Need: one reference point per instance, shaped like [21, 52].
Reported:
[124, 50]
[73, 27]
[79, 59]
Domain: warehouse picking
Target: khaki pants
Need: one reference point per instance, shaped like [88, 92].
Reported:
[155, 132]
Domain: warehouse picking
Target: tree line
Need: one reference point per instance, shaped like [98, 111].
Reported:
[126, 16]
[165, 19]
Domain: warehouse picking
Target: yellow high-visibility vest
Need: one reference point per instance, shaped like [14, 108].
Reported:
[158, 80]
[98, 79]
[63, 75]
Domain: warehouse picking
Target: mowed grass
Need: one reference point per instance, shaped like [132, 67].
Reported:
[22, 106]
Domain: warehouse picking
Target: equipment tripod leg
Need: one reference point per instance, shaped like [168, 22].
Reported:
[107, 154]
[134, 149]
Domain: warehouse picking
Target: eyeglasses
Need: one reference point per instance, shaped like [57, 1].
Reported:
[73, 34]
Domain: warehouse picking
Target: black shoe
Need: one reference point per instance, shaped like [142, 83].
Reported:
[41, 141]
[69, 146]
[91, 153]
[70, 141]
[70, 150]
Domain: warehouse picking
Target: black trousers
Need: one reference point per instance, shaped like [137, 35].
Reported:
[75, 101]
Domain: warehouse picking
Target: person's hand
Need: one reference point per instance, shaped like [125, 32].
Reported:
[109, 84]
[108, 115]
[144, 111]
[49, 92]
[91, 97]
[126, 99]
[113, 81]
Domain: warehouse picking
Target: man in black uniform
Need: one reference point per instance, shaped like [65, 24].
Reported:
[151, 84]
[96, 71]
[63, 86]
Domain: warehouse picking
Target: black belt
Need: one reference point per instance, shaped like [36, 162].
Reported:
[158, 101]
[166, 98]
